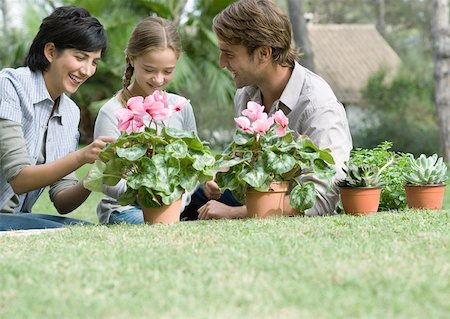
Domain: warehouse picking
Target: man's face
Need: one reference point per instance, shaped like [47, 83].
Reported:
[243, 67]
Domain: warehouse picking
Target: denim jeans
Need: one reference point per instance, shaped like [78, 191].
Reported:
[36, 221]
[198, 199]
[130, 216]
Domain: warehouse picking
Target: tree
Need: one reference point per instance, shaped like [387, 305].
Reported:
[297, 17]
[441, 45]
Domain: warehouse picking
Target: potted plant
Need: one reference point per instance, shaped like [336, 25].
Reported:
[425, 181]
[361, 188]
[265, 159]
[158, 163]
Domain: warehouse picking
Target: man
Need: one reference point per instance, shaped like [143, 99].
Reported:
[255, 42]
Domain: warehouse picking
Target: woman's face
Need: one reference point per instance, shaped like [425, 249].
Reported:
[153, 71]
[69, 69]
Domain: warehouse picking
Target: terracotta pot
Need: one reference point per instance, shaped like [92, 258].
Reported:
[425, 196]
[360, 200]
[166, 214]
[270, 203]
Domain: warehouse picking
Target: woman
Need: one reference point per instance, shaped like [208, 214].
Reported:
[151, 55]
[39, 122]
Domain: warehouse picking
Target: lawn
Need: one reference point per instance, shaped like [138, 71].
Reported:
[388, 265]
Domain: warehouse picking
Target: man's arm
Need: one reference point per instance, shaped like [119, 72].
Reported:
[327, 127]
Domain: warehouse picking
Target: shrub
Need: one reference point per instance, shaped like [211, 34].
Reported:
[401, 111]
[393, 195]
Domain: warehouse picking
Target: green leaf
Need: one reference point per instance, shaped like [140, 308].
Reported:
[163, 173]
[107, 153]
[147, 198]
[230, 161]
[94, 179]
[203, 161]
[227, 180]
[326, 156]
[112, 173]
[255, 176]
[127, 198]
[321, 167]
[241, 138]
[188, 178]
[178, 149]
[175, 195]
[303, 196]
[279, 163]
[132, 153]
[178, 134]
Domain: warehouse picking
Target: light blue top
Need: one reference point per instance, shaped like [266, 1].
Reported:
[24, 100]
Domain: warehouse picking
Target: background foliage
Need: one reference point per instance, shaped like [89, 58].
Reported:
[403, 109]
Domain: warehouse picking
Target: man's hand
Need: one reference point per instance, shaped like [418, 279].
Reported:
[217, 210]
[211, 190]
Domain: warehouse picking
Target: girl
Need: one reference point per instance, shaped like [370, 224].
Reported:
[39, 122]
[151, 55]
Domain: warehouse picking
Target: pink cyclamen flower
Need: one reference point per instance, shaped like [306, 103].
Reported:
[131, 119]
[253, 111]
[179, 104]
[263, 124]
[157, 107]
[282, 122]
[244, 123]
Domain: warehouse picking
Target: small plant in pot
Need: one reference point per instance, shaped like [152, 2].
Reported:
[425, 181]
[266, 158]
[361, 188]
[158, 163]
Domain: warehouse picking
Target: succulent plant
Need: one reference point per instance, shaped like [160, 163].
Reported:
[426, 170]
[362, 176]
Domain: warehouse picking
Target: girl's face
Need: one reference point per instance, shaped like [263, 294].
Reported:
[153, 71]
[68, 69]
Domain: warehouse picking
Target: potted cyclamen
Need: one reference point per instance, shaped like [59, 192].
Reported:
[266, 159]
[158, 163]
[425, 182]
[361, 188]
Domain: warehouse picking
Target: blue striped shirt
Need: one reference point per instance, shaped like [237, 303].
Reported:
[24, 99]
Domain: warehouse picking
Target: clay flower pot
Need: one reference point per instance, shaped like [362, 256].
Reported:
[265, 204]
[360, 200]
[166, 214]
[425, 196]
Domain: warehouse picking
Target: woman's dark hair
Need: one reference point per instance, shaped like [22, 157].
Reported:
[68, 27]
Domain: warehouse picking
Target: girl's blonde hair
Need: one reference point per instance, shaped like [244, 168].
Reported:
[149, 34]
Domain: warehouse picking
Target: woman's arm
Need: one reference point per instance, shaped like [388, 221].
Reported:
[37, 176]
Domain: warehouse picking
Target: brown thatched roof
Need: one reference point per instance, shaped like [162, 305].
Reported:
[345, 55]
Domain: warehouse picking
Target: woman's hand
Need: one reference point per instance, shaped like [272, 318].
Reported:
[91, 152]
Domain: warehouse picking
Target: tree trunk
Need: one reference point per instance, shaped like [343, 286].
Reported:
[296, 15]
[441, 45]
[381, 24]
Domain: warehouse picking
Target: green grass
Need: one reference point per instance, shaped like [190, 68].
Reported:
[388, 265]
[87, 211]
